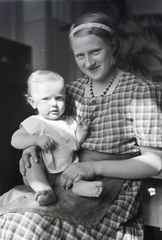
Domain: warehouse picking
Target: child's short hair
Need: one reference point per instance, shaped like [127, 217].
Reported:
[41, 76]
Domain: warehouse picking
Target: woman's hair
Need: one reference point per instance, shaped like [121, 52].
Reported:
[109, 37]
[41, 76]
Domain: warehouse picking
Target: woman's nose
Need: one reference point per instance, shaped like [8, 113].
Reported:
[89, 62]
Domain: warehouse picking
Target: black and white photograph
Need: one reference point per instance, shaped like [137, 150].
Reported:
[80, 120]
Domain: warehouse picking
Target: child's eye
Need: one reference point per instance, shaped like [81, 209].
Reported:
[59, 99]
[45, 99]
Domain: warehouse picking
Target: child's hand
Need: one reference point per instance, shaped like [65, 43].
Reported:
[83, 124]
[45, 142]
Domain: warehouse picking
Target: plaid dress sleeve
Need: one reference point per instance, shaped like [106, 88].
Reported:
[146, 111]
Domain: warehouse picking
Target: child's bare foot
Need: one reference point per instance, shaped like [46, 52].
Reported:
[45, 197]
[88, 189]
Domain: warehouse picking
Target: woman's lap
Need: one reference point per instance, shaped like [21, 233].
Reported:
[113, 226]
[31, 226]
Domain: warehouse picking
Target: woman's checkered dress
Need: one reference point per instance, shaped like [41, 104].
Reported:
[120, 123]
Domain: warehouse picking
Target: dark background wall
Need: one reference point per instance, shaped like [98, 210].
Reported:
[14, 69]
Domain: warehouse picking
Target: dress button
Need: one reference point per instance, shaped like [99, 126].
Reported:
[92, 117]
[92, 102]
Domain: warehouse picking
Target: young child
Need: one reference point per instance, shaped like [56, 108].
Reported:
[56, 134]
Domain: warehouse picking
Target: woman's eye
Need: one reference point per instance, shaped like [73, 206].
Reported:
[95, 52]
[80, 56]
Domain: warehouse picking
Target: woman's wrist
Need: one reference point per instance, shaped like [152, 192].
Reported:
[97, 169]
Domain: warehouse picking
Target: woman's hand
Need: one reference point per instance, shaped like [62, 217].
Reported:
[77, 171]
[31, 152]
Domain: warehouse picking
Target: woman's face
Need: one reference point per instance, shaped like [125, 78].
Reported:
[93, 56]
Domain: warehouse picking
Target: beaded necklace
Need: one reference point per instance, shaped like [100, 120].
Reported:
[106, 90]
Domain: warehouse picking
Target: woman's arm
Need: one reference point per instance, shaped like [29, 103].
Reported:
[146, 165]
[149, 163]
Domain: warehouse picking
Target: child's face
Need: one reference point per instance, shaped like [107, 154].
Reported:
[49, 99]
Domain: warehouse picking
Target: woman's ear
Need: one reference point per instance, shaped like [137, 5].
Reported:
[32, 102]
[113, 47]
[116, 46]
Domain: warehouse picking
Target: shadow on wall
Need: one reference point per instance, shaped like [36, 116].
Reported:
[141, 48]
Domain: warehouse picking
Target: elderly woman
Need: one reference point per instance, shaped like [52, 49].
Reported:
[121, 148]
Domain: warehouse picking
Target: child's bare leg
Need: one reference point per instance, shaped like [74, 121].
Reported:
[88, 188]
[37, 180]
